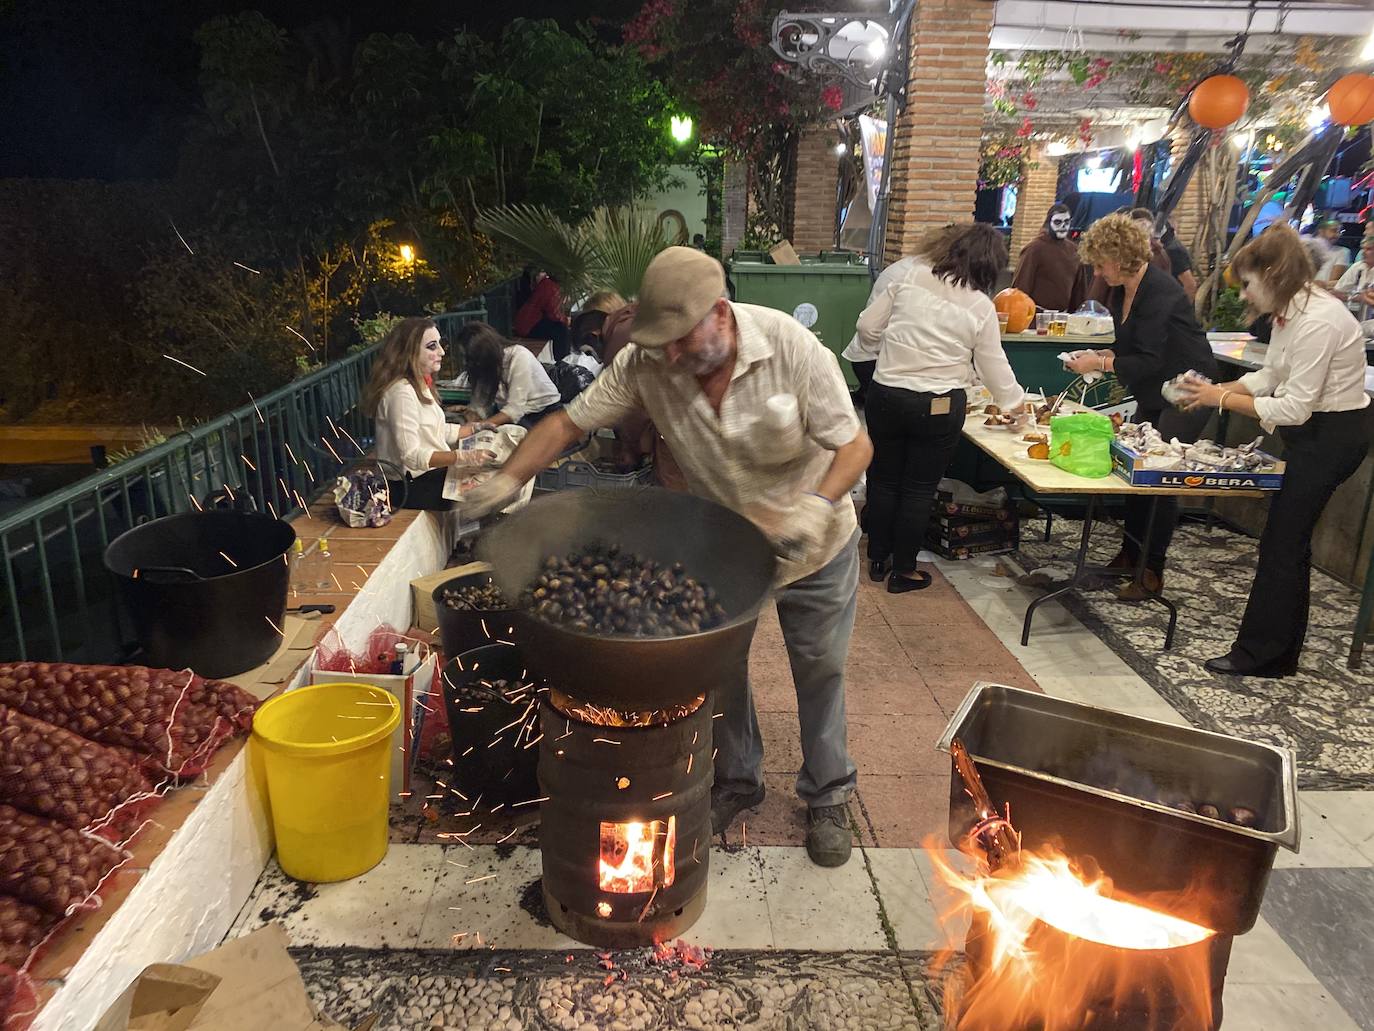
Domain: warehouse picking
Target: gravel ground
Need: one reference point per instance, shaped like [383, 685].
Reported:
[789, 991]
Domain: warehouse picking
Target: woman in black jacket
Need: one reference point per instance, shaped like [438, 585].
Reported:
[1157, 337]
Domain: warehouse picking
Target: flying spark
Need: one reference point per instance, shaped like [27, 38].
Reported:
[259, 411]
[274, 626]
[180, 362]
[247, 269]
[307, 342]
[248, 463]
[182, 239]
[228, 559]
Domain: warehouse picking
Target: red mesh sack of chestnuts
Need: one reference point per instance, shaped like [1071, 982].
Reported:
[173, 717]
[52, 772]
[49, 866]
[22, 928]
[18, 1000]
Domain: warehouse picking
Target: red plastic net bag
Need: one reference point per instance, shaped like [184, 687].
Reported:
[49, 866]
[173, 716]
[22, 927]
[52, 772]
[18, 1000]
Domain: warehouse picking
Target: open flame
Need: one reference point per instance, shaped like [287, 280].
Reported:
[1050, 947]
[637, 856]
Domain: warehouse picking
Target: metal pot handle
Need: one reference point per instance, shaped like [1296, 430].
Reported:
[223, 500]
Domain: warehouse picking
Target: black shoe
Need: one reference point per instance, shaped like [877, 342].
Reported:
[1227, 666]
[878, 569]
[727, 804]
[900, 583]
[828, 840]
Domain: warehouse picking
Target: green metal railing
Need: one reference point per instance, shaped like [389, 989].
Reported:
[59, 600]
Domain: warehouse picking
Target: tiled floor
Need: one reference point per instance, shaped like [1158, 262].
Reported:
[913, 660]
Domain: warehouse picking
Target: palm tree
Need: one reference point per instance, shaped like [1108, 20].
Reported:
[607, 251]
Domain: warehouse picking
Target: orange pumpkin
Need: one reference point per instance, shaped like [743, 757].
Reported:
[1218, 101]
[1351, 99]
[1019, 307]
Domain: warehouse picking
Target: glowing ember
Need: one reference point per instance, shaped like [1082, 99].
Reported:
[603, 909]
[1050, 946]
[637, 857]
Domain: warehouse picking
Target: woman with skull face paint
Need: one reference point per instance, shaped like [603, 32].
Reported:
[1048, 266]
[1311, 390]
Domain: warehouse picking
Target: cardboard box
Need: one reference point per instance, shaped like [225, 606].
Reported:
[422, 593]
[1134, 468]
[248, 982]
[977, 533]
[953, 513]
[960, 551]
[415, 692]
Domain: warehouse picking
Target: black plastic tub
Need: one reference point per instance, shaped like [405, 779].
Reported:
[477, 717]
[462, 629]
[206, 590]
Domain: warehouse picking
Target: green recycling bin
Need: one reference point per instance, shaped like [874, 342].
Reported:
[826, 296]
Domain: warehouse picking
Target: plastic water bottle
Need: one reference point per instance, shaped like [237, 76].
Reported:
[298, 571]
[323, 568]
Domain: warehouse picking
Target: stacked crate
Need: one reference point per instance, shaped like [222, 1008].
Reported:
[962, 530]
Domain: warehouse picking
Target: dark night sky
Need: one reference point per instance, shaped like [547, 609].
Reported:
[102, 89]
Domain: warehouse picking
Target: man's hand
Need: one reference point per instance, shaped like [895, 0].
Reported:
[807, 528]
[491, 496]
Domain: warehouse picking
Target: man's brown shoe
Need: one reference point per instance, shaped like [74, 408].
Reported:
[1150, 584]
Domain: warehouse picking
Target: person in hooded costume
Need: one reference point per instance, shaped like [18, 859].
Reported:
[1048, 268]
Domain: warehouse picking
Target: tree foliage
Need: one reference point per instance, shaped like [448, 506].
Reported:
[314, 158]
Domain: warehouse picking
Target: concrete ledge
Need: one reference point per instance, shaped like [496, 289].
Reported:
[201, 873]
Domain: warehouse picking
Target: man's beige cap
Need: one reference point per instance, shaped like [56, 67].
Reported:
[679, 288]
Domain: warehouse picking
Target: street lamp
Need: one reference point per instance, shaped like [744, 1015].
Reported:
[681, 128]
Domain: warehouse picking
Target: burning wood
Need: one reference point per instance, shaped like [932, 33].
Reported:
[604, 716]
[993, 832]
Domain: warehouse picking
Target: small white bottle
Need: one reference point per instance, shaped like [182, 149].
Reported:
[323, 567]
[402, 660]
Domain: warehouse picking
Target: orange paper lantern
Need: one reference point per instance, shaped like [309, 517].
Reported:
[1351, 99]
[1218, 101]
[1019, 307]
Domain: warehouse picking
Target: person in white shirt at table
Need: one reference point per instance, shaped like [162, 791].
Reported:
[1356, 286]
[1311, 388]
[413, 438]
[931, 329]
[504, 377]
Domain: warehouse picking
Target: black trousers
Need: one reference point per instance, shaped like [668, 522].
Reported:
[557, 333]
[425, 491]
[863, 372]
[912, 448]
[1171, 423]
[1321, 454]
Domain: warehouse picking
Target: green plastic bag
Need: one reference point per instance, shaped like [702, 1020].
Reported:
[1082, 444]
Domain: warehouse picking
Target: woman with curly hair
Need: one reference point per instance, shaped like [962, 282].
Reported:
[1311, 389]
[1157, 337]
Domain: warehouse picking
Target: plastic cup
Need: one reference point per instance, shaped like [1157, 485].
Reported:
[1003, 318]
[1042, 322]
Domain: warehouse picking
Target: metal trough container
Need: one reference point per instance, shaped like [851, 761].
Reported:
[1090, 781]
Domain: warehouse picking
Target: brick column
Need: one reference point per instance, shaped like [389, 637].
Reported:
[735, 210]
[813, 191]
[1035, 194]
[935, 151]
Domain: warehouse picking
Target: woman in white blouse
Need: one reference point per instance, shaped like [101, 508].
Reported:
[505, 378]
[931, 329]
[1311, 389]
[412, 435]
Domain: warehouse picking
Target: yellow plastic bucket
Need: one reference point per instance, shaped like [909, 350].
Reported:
[327, 753]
